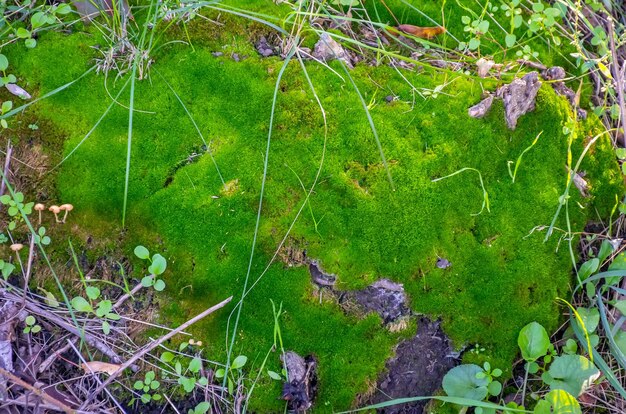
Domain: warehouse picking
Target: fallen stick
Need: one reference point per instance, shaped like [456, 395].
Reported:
[46, 397]
[7, 162]
[149, 347]
[89, 339]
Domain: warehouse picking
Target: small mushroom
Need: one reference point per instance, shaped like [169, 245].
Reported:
[16, 247]
[56, 210]
[39, 207]
[67, 208]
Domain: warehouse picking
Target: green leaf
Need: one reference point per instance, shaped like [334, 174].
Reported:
[63, 8]
[461, 382]
[145, 398]
[510, 40]
[4, 62]
[195, 365]
[494, 388]
[93, 292]
[30, 320]
[557, 402]
[220, 373]
[30, 43]
[6, 107]
[474, 44]
[533, 341]
[138, 385]
[158, 265]
[239, 362]
[606, 248]
[141, 252]
[571, 373]
[588, 268]
[81, 304]
[7, 269]
[202, 408]
[38, 19]
[590, 317]
[167, 357]
[159, 285]
[150, 375]
[22, 33]
[106, 328]
[147, 281]
[274, 375]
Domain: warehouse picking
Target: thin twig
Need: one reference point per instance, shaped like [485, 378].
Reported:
[48, 398]
[7, 162]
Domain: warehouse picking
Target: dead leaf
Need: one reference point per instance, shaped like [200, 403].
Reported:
[421, 32]
[17, 91]
[484, 66]
[99, 366]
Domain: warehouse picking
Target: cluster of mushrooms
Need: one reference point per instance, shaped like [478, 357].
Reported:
[56, 210]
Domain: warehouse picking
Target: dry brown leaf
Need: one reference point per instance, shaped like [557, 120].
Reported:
[484, 66]
[99, 366]
[421, 32]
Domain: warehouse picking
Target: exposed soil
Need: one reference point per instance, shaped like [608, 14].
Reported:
[417, 369]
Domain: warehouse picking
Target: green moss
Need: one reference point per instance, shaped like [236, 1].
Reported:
[503, 275]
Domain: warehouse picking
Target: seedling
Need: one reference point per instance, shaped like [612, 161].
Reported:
[158, 264]
[31, 325]
[237, 364]
[147, 386]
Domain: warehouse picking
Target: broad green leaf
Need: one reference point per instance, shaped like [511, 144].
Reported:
[606, 248]
[147, 281]
[239, 362]
[274, 375]
[195, 365]
[533, 341]
[63, 8]
[81, 304]
[590, 317]
[30, 320]
[22, 33]
[571, 373]
[167, 357]
[588, 268]
[202, 408]
[461, 382]
[510, 40]
[30, 43]
[106, 328]
[159, 285]
[4, 62]
[158, 266]
[92, 292]
[141, 252]
[557, 402]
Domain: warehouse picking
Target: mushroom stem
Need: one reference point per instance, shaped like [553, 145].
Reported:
[67, 208]
[39, 222]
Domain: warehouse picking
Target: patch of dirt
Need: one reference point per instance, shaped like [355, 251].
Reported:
[384, 297]
[417, 368]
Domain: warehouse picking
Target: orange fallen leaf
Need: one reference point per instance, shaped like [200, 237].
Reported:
[99, 366]
[421, 32]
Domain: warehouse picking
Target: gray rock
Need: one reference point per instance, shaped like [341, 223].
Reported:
[327, 49]
[481, 108]
[519, 97]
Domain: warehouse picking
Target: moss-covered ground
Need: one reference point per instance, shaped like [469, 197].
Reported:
[359, 226]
